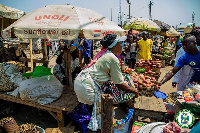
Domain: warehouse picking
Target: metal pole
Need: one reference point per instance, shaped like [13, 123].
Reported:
[150, 17]
[129, 15]
[111, 14]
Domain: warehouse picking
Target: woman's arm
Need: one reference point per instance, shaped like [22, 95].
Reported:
[128, 89]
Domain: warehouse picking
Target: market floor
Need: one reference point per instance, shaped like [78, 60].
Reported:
[26, 114]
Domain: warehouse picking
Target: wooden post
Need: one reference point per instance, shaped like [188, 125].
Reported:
[31, 55]
[106, 113]
[68, 71]
[92, 47]
[44, 52]
[81, 58]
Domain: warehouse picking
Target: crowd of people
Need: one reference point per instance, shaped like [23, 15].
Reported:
[94, 77]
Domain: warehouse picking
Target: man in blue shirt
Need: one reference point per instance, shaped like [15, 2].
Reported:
[191, 58]
[86, 46]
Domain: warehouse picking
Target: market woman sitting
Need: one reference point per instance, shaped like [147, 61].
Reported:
[93, 80]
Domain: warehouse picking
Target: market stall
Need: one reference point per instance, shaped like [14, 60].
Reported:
[166, 55]
[158, 106]
[64, 25]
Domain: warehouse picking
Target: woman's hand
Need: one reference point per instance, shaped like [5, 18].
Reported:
[174, 84]
[128, 89]
[136, 93]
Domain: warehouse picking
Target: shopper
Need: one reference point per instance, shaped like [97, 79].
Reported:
[145, 47]
[86, 46]
[191, 58]
[183, 76]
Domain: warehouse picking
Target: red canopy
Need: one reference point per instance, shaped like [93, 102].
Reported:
[134, 32]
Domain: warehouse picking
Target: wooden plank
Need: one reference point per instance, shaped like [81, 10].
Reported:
[150, 103]
[31, 55]
[150, 114]
[60, 116]
[106, 113]
[34, 60]
[64, 103]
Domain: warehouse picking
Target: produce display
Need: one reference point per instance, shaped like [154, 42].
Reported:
[171, 127]
[5, 83]
[172, 97]
[27, 128]
[145, 84]
[166, 53]
[9, 125]
[152, 66]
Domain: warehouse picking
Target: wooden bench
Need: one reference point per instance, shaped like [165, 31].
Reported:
[66, 103]
[35, 61]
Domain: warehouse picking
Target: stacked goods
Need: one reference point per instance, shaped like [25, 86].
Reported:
[27, 128]
[5, 83]
[149, 64]
[166, 53]
[170, 102]
[145, 84]
[9, 124]
[171, 98]
[128, 70]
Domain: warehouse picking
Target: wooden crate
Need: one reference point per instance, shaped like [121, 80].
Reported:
[150, 107]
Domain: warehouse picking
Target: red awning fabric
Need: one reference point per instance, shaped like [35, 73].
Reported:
[134, 32]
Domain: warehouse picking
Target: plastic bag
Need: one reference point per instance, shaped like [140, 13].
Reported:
[42, 90]
[40, 71]
[81, 117]
[17, 78]
[196, 89]
[10, 69]
[123, 125]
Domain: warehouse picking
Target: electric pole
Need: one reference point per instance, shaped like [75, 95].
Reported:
[129, 14]
[111, 14]
[120, 15]
[193, 25]
[193, 17]
[150, 17]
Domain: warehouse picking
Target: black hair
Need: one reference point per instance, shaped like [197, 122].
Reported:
[108, 40]
[59, 59]
[195, 32]
[187, 36]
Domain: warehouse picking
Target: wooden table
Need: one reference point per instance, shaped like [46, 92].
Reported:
[66, 103]
[150, 107]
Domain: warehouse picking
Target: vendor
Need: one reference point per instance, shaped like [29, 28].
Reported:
[75, 65]
[164, 43]
[105, 66]
[191, 58]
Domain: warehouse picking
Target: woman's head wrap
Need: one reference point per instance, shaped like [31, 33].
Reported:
[110, 40]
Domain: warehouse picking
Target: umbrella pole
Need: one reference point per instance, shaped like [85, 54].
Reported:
[1, 25]
[31, 55]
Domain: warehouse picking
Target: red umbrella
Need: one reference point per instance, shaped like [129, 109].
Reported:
[134, 32]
